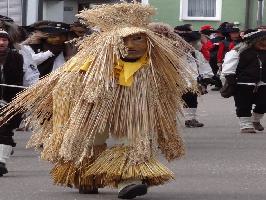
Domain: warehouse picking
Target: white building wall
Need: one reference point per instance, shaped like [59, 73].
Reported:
[53, 10]
[32, 11]
[70, 10]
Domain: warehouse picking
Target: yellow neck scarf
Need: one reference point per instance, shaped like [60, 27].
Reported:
[123, 70]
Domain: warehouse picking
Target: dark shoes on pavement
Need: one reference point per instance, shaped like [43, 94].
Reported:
[128, 192]
[132, 191]
[193, 123]
[248, 130]
[258, 126]
[88, 190]
[3, 169]
[216, 88]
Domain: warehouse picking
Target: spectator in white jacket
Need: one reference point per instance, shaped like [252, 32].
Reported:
[31, 61]
[203, 75]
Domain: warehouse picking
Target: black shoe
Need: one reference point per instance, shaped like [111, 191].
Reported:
[258, 126]
[132, 191]
[216, 88]
[88, 190]
[3, 169]
[248, 130]
[193, 123]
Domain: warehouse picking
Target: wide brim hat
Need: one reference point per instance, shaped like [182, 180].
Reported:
[54, 28]
[183, 28]
[33, 27]
[191, 36]
[6, 19]
[254, 34]
[7, 24]
[3, 33]
[233, 30]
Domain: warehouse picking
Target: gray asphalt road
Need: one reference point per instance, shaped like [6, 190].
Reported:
[220, 164]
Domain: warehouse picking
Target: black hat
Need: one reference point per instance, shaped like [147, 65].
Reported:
[54, 28]
[29, 29]
[233, 29]
[7, 24]
[183, 28]
[36, 25]
[3, 33]
[251, 34]
[224, 27]
[191, 36]
[6, 19]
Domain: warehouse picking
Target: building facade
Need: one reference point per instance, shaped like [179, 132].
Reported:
[60, 10]
[25, 12]
[175, 12]
[199, 12]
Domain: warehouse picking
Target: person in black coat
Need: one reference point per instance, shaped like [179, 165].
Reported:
[245, 66]
[11, 73]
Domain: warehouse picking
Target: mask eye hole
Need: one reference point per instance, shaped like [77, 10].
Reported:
[136, 38]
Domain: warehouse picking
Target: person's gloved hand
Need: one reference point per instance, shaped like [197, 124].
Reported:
[209, 81]
[231, 79]
[202, 89]
[229, 86]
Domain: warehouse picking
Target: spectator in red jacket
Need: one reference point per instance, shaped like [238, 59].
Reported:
[207, 45]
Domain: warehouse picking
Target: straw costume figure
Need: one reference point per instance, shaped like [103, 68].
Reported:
[126, 82]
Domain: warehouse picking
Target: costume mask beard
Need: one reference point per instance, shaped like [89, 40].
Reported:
[136, 46]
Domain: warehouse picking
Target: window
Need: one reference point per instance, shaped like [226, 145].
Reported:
[200, 10]
[11, 8]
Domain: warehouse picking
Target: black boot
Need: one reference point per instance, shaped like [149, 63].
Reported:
[258, 126]
[193, 123]
[248, 130]
[216, 88]
[90, 190]
[3, 169]
[132, 191]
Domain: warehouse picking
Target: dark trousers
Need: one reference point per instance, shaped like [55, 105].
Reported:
[6, 131]
[213, 64]
[190, 99]
[245, 98]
